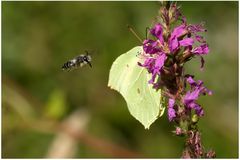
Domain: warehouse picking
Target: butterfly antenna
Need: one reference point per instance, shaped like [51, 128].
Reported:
[134, 33]
[147, 30]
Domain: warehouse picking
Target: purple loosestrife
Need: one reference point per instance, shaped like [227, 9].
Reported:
[171, 44]
[166, 52]
[191, 96]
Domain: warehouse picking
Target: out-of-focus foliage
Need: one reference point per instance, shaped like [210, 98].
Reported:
[38, 37]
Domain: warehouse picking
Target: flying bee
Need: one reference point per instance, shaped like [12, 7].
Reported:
[78, 61]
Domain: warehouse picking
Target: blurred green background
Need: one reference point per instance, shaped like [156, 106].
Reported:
[40, 103]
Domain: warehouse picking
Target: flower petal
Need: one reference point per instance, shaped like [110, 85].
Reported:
[173, 44]
[171, 111]
[191, 97]
[191, 81]
[196, 28]
[171, 103]
[157, 31]
[200, 38]
[178, 31]
[173, 40]
[186, 42]
[171, 114]
[158, 64]
[203, 49]
[198, 109]
[160, 60]
[150, 46]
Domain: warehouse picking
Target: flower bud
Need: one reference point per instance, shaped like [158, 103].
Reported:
[195, 118]
[179, 131]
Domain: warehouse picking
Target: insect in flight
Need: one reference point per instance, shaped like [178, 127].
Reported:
[78, 61]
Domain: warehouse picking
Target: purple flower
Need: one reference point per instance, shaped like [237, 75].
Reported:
[176, 33]
[157, 31]
[179, 31]
[190, 80]
[154, 53]
[148, 64]
[196, 28]
[191, 97]
[182, 38]
[173, 44]
[171, 111]
[202, 49]
[200, 39]
[190, 102]
[150, 46]
[160, 61]
[198, 86]
[186, 42]
[198, 109]
[154, 65]
[153, 46]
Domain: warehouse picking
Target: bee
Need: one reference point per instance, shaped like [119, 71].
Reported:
[78, 61]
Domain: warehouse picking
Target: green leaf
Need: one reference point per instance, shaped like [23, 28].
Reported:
[144, 103]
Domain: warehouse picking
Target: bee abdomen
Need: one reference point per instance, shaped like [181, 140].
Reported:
[67, 65]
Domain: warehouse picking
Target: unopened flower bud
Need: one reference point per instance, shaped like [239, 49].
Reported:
[195, 118]
[179, 131]
[211, 154]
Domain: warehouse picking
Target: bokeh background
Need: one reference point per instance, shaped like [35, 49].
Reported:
[50, 113]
